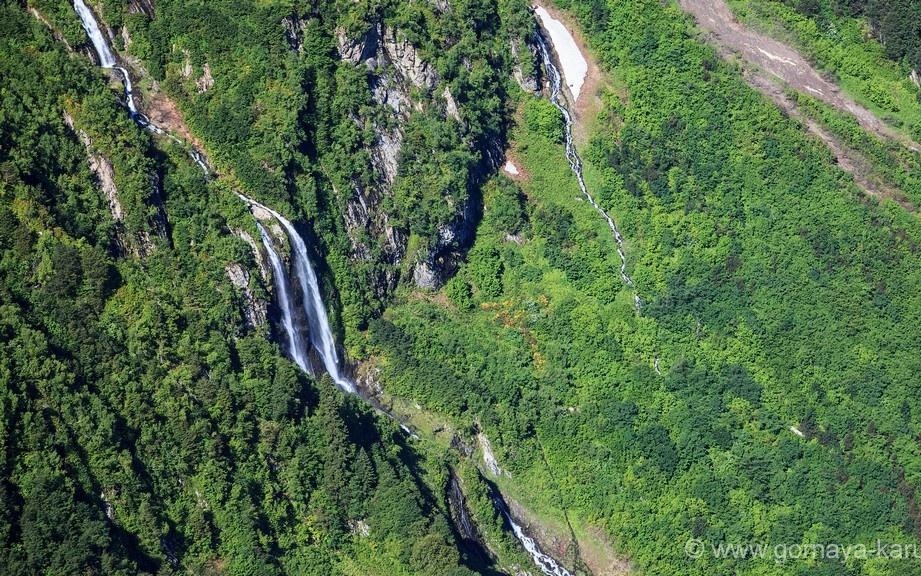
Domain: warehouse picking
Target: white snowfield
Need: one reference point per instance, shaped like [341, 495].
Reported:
[573, 63]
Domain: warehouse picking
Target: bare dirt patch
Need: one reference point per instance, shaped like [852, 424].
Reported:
[439, 298]
[164, 113]
[782, 62]
[771, 64]
[848, 159]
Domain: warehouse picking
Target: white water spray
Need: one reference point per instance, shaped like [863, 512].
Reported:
[106, 58]
[296, 346]
[321, 336]
[547, 565]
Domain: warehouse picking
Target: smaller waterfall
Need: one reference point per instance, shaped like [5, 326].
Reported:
[129, 95]
[296, 347]
[106, 59]
[575, 162]
[458, 504]
[321, 336]
[547, 565]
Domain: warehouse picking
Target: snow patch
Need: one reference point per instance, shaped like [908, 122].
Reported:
[572, 61]
[777, 58]
[510, 168]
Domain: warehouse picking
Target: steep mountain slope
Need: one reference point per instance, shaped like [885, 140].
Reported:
[711, 339]
[148, 424]
[769, 376]
[312, 107]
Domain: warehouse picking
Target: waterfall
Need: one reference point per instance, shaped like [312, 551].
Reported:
[575, 162]
[547, 565]
[129, 96]
[296, 347]
[321, 336]
[106, 58]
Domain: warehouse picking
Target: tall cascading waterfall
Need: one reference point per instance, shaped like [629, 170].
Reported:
[106, 58]
[321, 336]
[296, 344]
[575, 162]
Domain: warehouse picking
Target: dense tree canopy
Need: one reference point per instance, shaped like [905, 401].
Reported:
[145, 427]
[765, 391]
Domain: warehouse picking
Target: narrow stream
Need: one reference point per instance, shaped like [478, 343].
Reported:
[575, 162]
[547, 565]
[320, 335]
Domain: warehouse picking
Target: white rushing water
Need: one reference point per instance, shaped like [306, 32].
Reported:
[575, 162]
[296, 347]
[106, 58]
[547, 565]
[575, 67]
[129, 94]
[321, 336]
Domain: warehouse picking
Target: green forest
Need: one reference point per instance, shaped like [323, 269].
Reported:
[145, 428]
[765, 390]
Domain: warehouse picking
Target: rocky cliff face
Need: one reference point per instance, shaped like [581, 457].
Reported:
[101, 167]
[525, 55]
[401, 81]
[254, 308]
